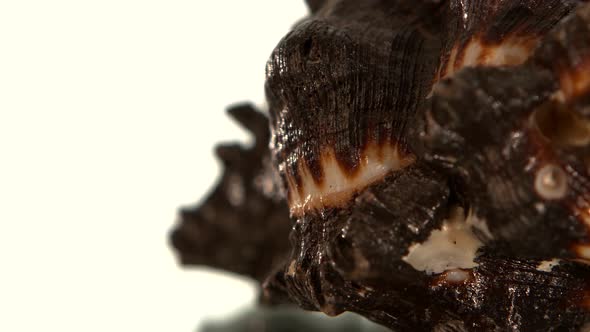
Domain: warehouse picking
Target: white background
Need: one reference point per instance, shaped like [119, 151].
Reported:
[108, 114]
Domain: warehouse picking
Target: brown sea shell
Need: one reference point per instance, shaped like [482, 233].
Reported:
[434, 157]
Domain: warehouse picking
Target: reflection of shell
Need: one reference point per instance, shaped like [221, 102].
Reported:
[436, 161]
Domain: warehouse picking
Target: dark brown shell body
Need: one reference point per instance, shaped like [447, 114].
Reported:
[435, 161]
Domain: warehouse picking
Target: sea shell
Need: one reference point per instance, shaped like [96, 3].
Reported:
[435, 161]
[244, 202]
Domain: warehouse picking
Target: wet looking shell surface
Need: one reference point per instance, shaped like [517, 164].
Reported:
[423, 163]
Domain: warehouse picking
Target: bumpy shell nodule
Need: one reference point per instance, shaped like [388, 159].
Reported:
[435, 160]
